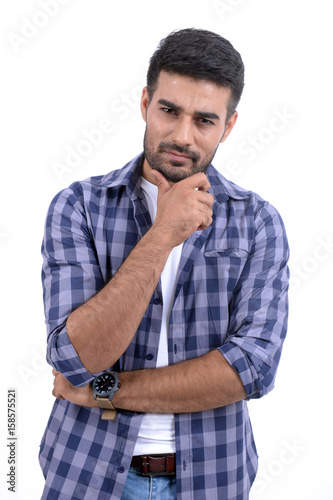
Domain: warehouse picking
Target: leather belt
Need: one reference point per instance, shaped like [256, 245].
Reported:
[155, 465]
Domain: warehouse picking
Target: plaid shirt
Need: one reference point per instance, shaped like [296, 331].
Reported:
[231, 295]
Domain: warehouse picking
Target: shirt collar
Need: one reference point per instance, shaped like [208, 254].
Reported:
[222, 189]
[130, 177]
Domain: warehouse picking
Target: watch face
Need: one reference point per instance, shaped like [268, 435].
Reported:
[103, 384]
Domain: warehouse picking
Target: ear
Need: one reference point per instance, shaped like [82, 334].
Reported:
[230, 125]
[144, 103]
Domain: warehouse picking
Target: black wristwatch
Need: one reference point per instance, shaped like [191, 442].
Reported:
[104, 388]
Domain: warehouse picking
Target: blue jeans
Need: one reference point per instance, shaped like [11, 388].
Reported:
[138, 487]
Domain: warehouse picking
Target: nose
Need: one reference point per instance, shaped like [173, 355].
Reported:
[183, 133]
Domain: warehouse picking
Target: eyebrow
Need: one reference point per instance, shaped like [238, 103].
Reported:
[200, 114]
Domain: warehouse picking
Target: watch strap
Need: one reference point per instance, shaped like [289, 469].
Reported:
[104, 403]
[109, 415]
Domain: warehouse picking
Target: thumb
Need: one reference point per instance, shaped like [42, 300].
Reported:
[160, 181]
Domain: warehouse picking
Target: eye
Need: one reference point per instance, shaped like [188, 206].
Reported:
[205, 121]
[168, 111]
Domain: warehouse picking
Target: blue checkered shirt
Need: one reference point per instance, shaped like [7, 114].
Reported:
[231, 295]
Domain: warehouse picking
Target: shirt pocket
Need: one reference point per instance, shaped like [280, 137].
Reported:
[224, 267]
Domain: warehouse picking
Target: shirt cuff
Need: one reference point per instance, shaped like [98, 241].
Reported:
[250, 368]
[64, 358]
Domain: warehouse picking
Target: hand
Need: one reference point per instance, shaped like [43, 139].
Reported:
[63, 389]
[182, 208]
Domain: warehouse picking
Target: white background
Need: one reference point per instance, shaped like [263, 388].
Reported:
[64, 72]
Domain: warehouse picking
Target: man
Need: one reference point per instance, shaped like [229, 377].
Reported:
[165, 296]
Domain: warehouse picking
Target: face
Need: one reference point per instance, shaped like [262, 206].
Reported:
[185, 123]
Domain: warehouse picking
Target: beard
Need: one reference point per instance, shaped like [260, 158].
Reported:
[176, 172]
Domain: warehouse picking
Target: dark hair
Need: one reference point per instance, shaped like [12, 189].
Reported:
[201, 55]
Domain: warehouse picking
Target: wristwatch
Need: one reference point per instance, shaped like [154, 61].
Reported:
[104, 388]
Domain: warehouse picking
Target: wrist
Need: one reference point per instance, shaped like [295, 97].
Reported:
[91, 400]
[104, 387]
[160, 240]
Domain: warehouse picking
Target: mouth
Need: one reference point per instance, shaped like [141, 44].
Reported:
[178, 157]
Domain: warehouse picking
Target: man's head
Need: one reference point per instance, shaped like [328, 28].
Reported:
[200, 55]
[194, 83]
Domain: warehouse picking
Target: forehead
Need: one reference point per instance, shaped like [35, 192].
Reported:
[192, 94]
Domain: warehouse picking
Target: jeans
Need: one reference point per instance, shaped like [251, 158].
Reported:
[138, 487]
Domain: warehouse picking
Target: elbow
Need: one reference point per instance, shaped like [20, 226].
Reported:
[260, 386]
[263, 377]
[62, 356]
[256, 368]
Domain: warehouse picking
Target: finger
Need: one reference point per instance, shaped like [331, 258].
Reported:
[206, 222]
[56, 395]
[206, 218]
[197, 181]
[57, 384]
[205, 198]
[161, 182]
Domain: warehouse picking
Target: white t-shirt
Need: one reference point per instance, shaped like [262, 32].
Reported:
[157, 431]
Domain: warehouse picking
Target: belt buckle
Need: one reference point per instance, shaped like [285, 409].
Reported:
[145, 465]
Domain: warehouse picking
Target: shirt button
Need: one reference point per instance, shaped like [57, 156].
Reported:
[150, 356]
[157, 302]
[121, 469]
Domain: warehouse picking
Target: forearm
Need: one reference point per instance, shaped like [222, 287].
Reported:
[195, 385]
[102, 328]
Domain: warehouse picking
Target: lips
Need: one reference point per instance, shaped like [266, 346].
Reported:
[177, 156]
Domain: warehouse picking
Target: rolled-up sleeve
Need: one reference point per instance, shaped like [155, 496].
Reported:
[70, 276]
[259, 307]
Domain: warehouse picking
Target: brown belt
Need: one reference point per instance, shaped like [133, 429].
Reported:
[155, 465]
